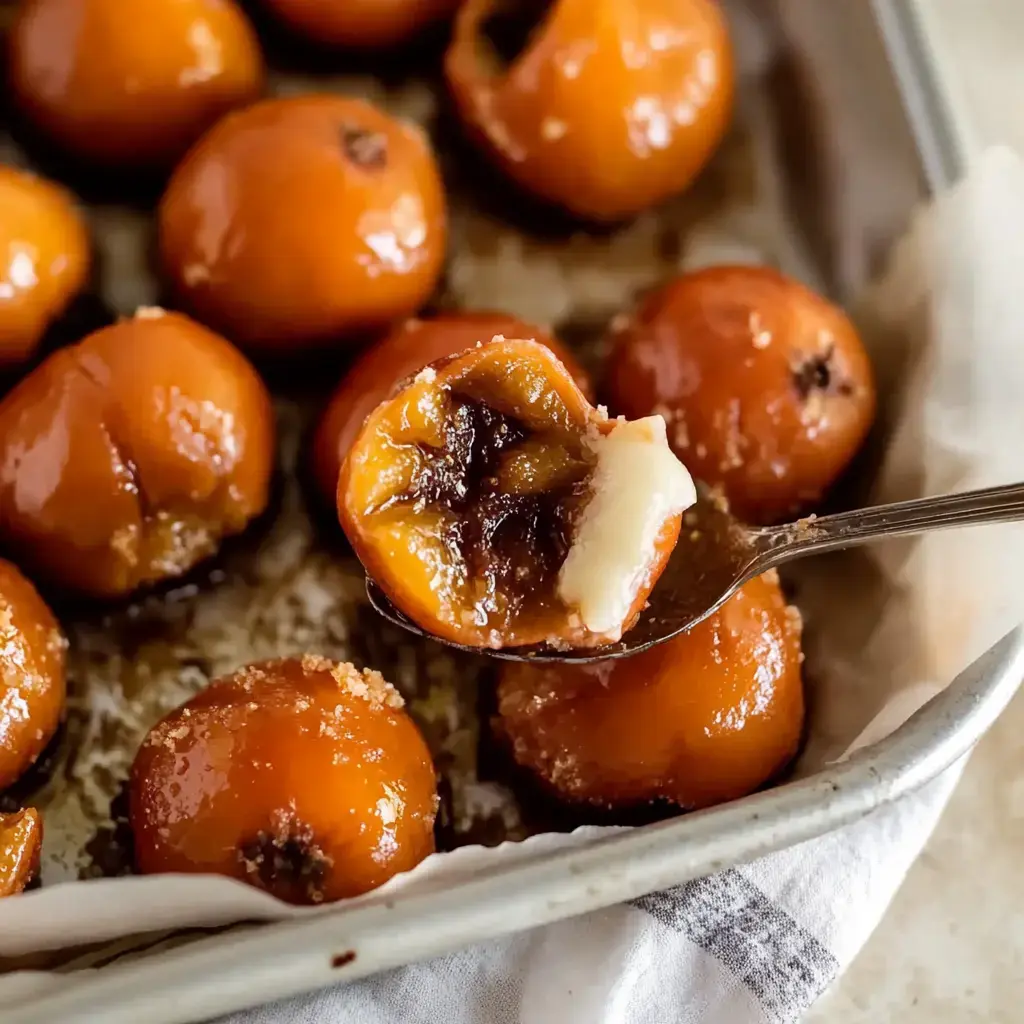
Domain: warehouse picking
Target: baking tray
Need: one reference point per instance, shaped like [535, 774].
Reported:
[884, 58]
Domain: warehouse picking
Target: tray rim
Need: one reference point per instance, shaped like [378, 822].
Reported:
[215, 975]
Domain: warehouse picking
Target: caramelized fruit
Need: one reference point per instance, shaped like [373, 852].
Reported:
[361, 23]
[302, 777]
[605, 107]
[497, 508]
[125, 459]
[21, 842]
[407, 349]
[303, 221]
[32, 684]
[132, 85]
[703, 718]
[766, 387]
[46, 260]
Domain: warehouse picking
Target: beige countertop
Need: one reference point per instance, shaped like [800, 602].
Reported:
[951, 947]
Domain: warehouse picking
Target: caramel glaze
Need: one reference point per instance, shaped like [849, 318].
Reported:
[399, 355]
[663, 70]
[304, 221]
[766, 388]
[699, 720]
[125, 459]
[131, 92]
[32, 681]
[302, 777]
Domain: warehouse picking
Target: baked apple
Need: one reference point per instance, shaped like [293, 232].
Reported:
[706, 717]
[302, 777]
[45, 264]
[21, 842]
[32, 682]
[132, 85]
[304, 221]
[497, 508]
[127, 458]
[406, 349]
[603, 107]
[766, 387]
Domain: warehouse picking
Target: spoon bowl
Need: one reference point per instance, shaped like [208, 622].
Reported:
[716, 555]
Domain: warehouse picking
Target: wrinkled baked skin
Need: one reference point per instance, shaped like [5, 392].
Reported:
[701, 719]
[610, 107]
[32, 675]
[303, 222]
[132, 91]
[302, 777]
[398, 355]
[45, 264]
[127, 458]
[461, 492]
[766, 387]
[21, 842]
[361, 23]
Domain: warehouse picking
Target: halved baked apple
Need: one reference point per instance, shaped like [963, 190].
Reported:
[497, 507]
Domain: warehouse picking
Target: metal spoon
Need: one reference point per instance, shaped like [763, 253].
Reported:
[716, 555]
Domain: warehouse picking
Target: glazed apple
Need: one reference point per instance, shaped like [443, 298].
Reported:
[132, 88]
[45, 263]
[32, 681]
[21, 840]
[703, 718]
[604, 107]
[398, 355]
[127, 458]
[497, 508]
[302, 777]
[766, 387]
[330, 216]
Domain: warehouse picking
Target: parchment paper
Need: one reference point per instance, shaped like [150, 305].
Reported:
[885, 628]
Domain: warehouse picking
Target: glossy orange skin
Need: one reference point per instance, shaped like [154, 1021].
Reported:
[361, 23]
[404, 564]
[125, 459]
[696, 721]
[403, 352]
[32, 679]
[273, 233]
[21, 843]
[288, 748]
[719, 353]
[613, 106]
[132, 87]
[46, 259]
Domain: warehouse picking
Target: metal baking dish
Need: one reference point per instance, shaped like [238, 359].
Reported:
[880, 65]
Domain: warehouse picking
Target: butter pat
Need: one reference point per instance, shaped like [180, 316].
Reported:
[637, 486]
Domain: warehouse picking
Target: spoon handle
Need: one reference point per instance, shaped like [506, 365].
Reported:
[826, 533]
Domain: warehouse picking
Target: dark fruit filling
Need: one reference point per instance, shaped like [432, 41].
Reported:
[508, 496]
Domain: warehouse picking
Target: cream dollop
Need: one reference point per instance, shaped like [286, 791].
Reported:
[637, 485]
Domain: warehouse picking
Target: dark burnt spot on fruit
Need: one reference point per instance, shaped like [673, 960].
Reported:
[365, 149]
[286, 860]
[820, 373]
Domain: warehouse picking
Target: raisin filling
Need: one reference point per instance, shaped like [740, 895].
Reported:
[508, 497]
